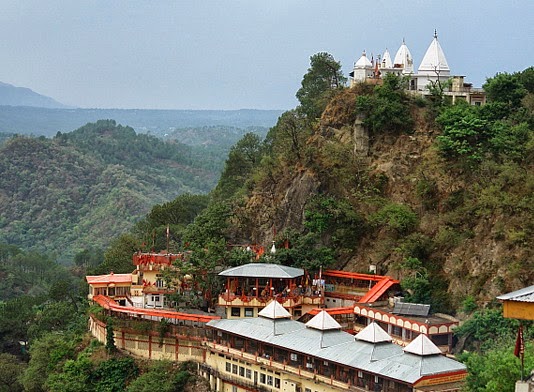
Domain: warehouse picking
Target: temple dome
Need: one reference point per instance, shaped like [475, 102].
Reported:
[404, 59]
[363, 62]
[386, 60]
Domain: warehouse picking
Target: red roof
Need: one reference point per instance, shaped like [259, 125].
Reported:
[156, 258]
[108, 303]
[353, 275]
[378, 290]
[332, 311]
[111, 278]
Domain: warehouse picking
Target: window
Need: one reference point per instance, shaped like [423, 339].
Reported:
[236, 312]
[241, 371]
[249, 312]
[277, 383]
[234, 369]
[228, 367]
[269, 380]
[293, 357]
[307, 390]
[248, 373]
[234, 388]
[262, 378]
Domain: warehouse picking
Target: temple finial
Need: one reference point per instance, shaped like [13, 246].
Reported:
[435, 33]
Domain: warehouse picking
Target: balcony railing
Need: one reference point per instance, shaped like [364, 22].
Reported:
[288, 301]
[312, 375]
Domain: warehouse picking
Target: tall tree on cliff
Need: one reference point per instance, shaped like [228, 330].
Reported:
[323, 77]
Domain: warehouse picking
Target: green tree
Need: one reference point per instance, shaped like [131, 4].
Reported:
[505, 88]
[323, 77]
[118, 257]
[497, 369]
[416, 283]
[114, 374]
[387, 108]
[161, 376]
[209, 226]
[11, 369]
[399, 218]
[287, 139]
[110, 337]
[243, 158]
[74, 376]
[46, 354]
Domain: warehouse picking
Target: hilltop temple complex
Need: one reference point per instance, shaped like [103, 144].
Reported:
[433, 71]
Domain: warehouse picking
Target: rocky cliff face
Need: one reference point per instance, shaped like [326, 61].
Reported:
[472, 243]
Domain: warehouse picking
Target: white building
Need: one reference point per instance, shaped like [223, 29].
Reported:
[433, 71]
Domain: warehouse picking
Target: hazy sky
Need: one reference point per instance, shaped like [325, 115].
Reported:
[239, 54]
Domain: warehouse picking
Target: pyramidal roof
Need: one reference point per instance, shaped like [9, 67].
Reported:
[373, 333]
[422, 345]
[263, 270]
[274, 311]
[363, 62]
[323, 321]
[404, 58]
[386, 60]
[434, 59]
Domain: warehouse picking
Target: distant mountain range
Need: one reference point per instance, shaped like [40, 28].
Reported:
[21, 96]
[23, 111]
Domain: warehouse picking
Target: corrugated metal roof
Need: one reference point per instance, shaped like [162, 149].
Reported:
[263, 270]
[524, 295]
[384, 359]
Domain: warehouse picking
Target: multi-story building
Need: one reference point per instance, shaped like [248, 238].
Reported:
[145, 287]
[250, 287]
[274, 353]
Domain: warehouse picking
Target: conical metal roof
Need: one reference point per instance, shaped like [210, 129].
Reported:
[422, 345]
[323, 321]
[373, 333]
[434, 60]
[274, 311]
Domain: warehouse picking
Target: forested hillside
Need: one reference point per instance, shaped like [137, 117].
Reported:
[82, 188]
[437, 195]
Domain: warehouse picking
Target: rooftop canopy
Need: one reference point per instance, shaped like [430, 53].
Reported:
[524, 295]
[422, 345]
[263, 270]
[373, 333]
[274, 311]
[323, 321]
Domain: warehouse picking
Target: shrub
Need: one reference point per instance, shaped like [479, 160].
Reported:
[396, 217]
